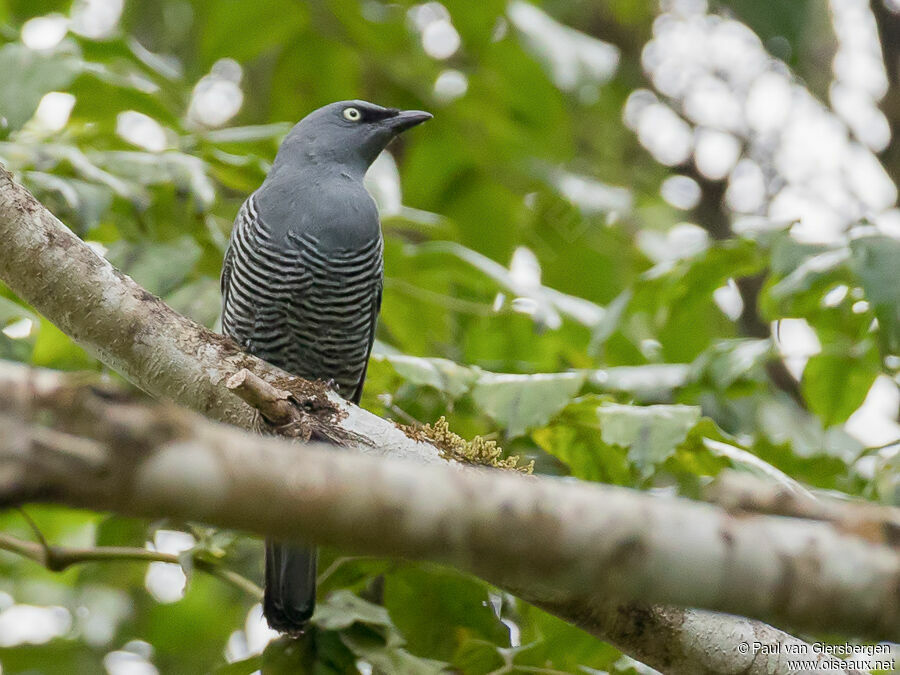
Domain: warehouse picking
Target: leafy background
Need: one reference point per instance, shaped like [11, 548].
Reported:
[638, 244]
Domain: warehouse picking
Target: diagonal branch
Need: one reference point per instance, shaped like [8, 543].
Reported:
[713, 216]
[138, 335]
[42, 540]
[173, 358]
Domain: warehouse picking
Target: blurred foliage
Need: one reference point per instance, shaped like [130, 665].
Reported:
[522, 300]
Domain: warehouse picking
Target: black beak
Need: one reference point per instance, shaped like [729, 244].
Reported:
[407, 119]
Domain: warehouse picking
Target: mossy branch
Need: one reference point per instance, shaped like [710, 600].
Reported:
[479, 451]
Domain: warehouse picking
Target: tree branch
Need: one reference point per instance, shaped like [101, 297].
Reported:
[888, 23]
[713, 216]
[551, 538]
[165, 354]
[59, 558]
[171, 357]
[744, 493]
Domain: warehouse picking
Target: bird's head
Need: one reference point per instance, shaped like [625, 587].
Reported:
[346, 133]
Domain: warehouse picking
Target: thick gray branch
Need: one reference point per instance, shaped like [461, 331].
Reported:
[553, 537]
[171, 357]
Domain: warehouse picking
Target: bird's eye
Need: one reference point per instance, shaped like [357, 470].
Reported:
[352, 114]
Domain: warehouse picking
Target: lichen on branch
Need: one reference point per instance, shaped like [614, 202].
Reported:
[453, 447]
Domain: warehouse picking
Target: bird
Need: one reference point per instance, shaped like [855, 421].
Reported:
[302, 284]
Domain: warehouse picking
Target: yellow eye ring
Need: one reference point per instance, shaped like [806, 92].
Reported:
[352, 114]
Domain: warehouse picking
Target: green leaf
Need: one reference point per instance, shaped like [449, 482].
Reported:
[627, 444]
[425, 602]
[547, 301]
[809, 273]
[285, 656]
[522, 402]
[442, 374]
[390, 657]
[802, 437]
[366, 629]
[654, 380]
[456, 380]
[15, 316]
[609, 323]
[650, 433]
[160, 268]
[673, 307]
[574, 438]
[57, 657]
[787, 254]
[549, 642]
[730, 361]
[147, 168]
[118, 531]
[342, 609]
[10, 312]
[87, 201]
[835, 385]
[875, 261]
[343, 572]
[27, 76]
[248, 134]
[242, 667]
[199, 300]
[55, 349]
[477, 657]
[887, 479]
[259, 32]
[741, 459]
[188, 635]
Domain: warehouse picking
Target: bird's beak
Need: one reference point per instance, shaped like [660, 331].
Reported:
[407, 119]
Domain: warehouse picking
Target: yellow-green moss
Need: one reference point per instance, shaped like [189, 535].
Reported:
[479, 450]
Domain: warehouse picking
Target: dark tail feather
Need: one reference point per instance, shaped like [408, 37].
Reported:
[290, 586]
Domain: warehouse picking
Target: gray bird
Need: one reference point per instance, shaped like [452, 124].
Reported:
[301, 283]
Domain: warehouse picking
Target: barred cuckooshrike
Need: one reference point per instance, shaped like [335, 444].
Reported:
[301, 283]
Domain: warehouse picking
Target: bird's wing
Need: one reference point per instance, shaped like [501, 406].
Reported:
[225, 281]
[376, 308]
[228, 280]
[259, 279]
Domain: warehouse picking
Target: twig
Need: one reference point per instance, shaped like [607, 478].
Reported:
[405, 416]
[295, 409]
[337, 563]
[35, 529]
[62, 557]
[273, 404]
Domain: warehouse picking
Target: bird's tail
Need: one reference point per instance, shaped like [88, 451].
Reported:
[290, 596]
